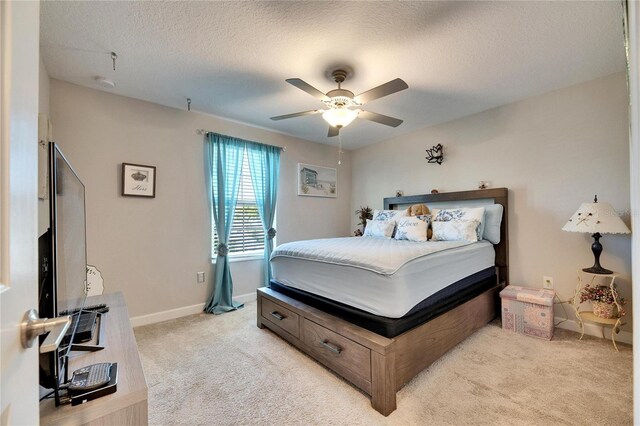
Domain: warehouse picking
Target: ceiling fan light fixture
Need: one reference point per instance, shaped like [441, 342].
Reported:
[340, 101]
[339, 117]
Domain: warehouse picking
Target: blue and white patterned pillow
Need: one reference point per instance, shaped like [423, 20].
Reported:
[389, 214]
[426, 218]
[380, 228]
[411, 228]
[455, 230]
[464, 214]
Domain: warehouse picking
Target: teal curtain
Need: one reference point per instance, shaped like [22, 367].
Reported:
[264, 164]
[225, 166]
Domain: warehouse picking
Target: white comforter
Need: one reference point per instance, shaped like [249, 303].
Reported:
[380, 255]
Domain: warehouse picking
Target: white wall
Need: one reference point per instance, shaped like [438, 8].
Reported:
[553, 152]
[43, 83]
[151, 249]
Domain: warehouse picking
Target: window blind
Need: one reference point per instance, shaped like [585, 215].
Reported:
[247, 235]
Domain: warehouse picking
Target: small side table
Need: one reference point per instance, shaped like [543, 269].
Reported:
[585, 278]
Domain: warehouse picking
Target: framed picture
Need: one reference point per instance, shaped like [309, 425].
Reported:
[138, 180]
[317, 181]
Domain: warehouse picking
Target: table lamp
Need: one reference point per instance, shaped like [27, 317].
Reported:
[596, 219]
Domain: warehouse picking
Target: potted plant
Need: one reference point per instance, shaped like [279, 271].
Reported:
[363, 213]
[603, 300]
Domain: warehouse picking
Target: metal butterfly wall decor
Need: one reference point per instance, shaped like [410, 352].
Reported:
[435, 154]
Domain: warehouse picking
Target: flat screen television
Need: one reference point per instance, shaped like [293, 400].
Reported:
[63, 258]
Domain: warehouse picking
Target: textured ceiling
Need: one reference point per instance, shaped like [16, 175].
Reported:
[231, 58]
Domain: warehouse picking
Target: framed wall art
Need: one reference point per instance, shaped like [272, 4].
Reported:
[138, 180]
[317, 181]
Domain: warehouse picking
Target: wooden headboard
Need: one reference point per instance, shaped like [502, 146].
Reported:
[498, 195]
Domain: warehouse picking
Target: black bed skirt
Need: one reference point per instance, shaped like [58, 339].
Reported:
[446, 299]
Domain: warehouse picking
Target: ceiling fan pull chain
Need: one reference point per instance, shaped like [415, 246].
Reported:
[339, 148]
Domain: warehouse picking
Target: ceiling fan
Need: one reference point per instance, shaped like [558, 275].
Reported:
[340, 101]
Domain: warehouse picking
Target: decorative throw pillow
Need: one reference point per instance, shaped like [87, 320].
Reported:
[455, 230]
[389, 214]
[464, 214]
[379, 228]
[411, 228]
[427, 218]
[492, 221]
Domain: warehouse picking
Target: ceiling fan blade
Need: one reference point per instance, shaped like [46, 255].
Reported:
[333, 131]
[379, 118]
[303, 85]
[296, 114]
[388, 88]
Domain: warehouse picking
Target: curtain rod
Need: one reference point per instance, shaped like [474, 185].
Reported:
[206, 133]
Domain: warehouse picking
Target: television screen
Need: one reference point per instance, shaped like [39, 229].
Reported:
[63, 257]
[69, 229]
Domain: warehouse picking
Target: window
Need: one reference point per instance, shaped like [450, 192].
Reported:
[247, 235]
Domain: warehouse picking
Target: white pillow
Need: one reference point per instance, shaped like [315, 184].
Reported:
[492, 221]
[379, 228]
[411, 228]
[455, 230]
[464, 214]
[389, 214]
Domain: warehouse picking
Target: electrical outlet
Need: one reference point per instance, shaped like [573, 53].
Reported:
[547, 282]
[200, 277]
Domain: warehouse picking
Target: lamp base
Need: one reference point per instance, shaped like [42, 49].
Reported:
[597, 270]
[596, 247]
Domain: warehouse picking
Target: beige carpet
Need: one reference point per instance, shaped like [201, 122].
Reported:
[206, 369]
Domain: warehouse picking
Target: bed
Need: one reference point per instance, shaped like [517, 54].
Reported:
[377, 312]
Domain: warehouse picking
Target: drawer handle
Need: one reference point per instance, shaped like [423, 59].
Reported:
[333, 348]
[277, 315]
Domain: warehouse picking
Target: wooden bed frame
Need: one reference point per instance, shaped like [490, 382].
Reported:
[378, 365]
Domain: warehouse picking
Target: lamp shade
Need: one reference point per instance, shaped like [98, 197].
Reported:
[339, 117]
[595, 218]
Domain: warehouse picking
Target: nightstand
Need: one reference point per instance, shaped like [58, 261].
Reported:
[587, 278]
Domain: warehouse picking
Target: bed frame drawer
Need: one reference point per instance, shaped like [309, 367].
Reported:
[377, 365]
[337, 351]
[281, 316]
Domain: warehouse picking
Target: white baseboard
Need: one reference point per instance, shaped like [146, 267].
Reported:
[246, 298]
[594, 330]
[181, 312]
